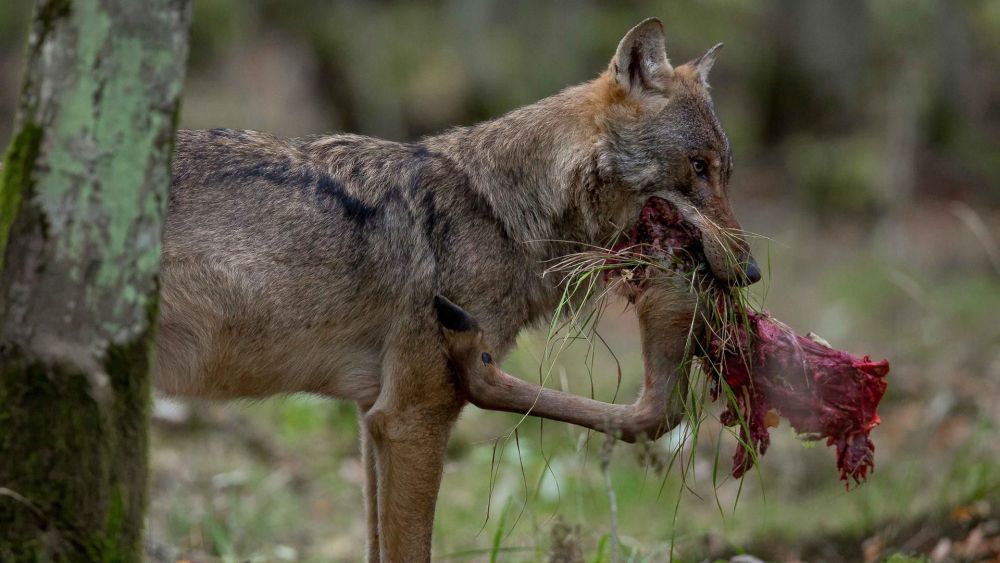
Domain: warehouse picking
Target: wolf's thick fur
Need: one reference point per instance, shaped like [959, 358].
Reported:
[312, 264]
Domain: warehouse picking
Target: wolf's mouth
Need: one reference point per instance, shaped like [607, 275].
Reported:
[661, 239]
[662, 232]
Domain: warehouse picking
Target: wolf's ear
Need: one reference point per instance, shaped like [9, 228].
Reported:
[453, 317]
[641, 59]
[703, 64]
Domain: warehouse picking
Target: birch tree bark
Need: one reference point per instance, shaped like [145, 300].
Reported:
[83, 193]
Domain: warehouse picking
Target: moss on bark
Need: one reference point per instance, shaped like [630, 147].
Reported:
[60, 464]
[75, 489]
[15, 179]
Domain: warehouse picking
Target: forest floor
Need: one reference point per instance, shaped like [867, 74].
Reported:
[279, 480]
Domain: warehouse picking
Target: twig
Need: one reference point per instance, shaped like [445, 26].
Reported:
[975, 223]
[5, 492]
[609, 446]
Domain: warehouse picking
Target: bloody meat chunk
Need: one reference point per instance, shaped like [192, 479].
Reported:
[762, 366]
[823, 392]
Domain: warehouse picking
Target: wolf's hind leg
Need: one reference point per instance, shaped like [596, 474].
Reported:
[371, 490]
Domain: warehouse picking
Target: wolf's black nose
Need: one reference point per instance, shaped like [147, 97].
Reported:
[752, 271]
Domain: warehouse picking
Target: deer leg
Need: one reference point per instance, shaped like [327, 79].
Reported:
[667, 320]
[651, 416]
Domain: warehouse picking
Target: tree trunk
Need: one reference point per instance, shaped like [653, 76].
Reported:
[83, 193]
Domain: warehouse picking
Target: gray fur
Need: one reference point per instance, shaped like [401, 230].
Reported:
[287, 261]
[312, 264]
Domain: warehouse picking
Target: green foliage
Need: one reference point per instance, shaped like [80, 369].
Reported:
[500, 532]
[901, 558]
[835, 178]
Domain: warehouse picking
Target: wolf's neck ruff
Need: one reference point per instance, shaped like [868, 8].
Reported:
[536, 168]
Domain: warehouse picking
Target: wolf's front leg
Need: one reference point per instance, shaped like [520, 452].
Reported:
[409, 426]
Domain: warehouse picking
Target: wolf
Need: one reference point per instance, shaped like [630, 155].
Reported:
[332, 265]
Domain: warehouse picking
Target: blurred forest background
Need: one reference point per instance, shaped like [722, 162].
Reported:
[867, 143]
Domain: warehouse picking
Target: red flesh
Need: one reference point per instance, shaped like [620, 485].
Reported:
[661, 228]
[823, 392]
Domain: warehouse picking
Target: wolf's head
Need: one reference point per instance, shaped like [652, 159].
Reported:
[659, 137]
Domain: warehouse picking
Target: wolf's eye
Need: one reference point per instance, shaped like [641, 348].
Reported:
[700, 167]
